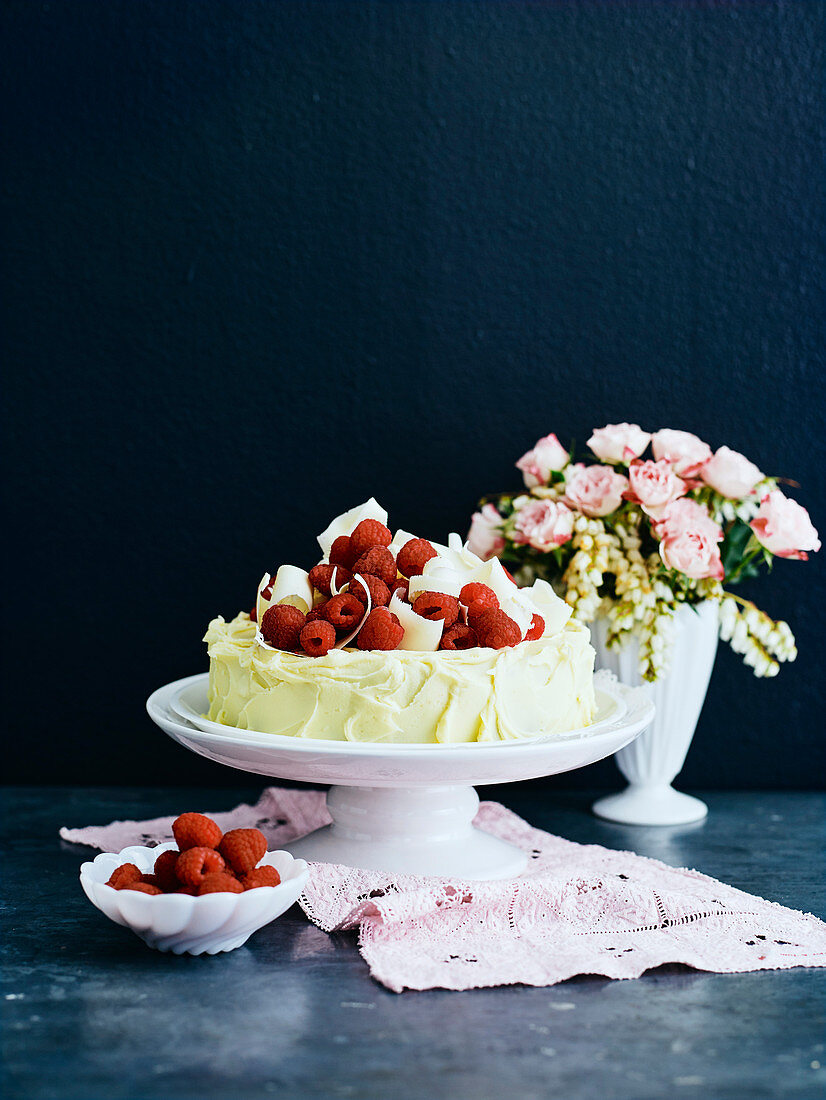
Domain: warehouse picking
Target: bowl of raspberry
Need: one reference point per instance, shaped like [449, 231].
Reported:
[201, 894]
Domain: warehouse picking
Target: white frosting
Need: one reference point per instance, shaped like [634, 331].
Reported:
[533, 689]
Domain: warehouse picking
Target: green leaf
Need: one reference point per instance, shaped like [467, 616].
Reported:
[734, 546]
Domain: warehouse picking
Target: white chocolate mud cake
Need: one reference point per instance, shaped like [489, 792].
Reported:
[395, 639]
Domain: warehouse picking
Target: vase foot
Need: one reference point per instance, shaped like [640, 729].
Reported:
[650, 806]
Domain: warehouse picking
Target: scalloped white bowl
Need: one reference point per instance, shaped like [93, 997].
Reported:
[190, 925]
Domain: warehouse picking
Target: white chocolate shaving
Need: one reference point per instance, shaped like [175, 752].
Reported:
[520, 608]
[346, 641]
[334, 587]
[440, 580]
[347, 522]
[420, 634]
[262, 602]
[494, 576]
[292, 586]
[400, 539]
[553, 610]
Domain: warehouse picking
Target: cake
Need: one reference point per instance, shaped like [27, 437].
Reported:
[394, 639]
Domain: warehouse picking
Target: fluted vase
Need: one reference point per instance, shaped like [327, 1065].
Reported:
[656, 757]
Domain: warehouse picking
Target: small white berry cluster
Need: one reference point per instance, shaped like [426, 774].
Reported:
[762, 642]
[584, 576]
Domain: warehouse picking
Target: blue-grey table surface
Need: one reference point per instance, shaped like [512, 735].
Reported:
[89, 1012]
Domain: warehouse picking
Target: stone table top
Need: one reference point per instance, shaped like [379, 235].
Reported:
[90, 1013]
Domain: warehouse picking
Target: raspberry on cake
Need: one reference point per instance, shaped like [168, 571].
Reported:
[414, 556]
[379, 593]
[424, 643]
[344, 611]
[437, 605]
[382, 630]
[379, 562]
[369, 533]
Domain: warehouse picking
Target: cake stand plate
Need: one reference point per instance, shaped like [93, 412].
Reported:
[406, 809]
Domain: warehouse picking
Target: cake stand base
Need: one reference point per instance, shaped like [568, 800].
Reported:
[410, 830]
[661, 805]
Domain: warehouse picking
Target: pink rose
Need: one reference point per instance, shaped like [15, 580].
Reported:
[595, 490]
[784, 528]
[682, 450]
[692, 553]
[537, 465]
[684, 515]
[485, 535]
[619, 442]
[730, 473]
[544, 524]
[653, 485]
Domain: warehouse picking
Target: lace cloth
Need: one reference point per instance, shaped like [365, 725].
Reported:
[577, 909]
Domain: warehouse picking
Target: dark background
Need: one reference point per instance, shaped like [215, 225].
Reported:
[263, 260]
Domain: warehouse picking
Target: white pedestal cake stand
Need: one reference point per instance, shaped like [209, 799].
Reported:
[403, 808]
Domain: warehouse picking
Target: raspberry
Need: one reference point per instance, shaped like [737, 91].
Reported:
[261, 876]
[496, 630]
[379, 562]
[318, 638]
[191, 890]
[475, 612]
[316, 614]
[243, 848]
[321, 576]
[414, 556]
[478, 593]
[368, 533]
[437, 605]
[143, 888]
[165, 870]
[253, 614]
[152, 880]
[459, 636]
[536, 630]
[281, 626]
[194, 863]
[122, 876]
[220, 883]
[344, 612]
[341, 552]
[402, 589]
[379, 592]
[195, 831]
[381, 631]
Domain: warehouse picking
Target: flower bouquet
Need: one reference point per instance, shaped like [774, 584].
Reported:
[632, 539]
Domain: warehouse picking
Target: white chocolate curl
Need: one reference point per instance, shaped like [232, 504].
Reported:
[262, 602]
[292, 586]
[420, 634]
[346, 641]
[553, 610]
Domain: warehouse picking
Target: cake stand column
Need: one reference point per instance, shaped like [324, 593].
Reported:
[410, 830]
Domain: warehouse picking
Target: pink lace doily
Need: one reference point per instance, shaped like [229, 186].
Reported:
[577, 909]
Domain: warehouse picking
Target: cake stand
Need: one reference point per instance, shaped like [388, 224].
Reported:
[407, 809]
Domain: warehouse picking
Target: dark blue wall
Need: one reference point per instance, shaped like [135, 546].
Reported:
[264, 259]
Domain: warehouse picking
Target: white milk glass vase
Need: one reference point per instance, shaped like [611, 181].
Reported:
[651, 763]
